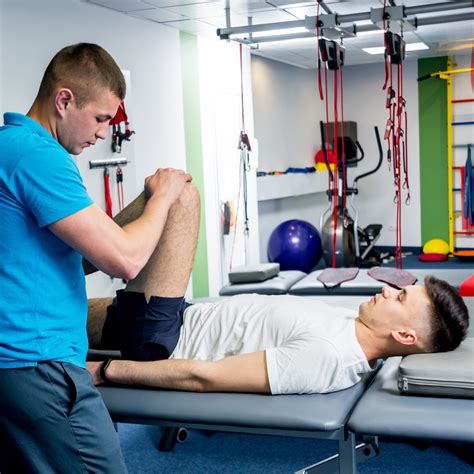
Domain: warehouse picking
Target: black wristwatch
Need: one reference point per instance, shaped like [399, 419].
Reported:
[103, 368]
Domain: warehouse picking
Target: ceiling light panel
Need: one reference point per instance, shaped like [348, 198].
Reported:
[199, 10]
[291, 3]
[301, 12]
[236, 19]
[159, 15]
[191, 26]
[123, 6]
[249, 7]
[174, 3]
[273, 16]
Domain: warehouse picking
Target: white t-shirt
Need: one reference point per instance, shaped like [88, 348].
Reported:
[310, 346]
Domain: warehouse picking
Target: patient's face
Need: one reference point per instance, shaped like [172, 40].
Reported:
[395, 308]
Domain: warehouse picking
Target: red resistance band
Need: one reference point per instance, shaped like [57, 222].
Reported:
[107, 196]
[332, 55]
[396, 129]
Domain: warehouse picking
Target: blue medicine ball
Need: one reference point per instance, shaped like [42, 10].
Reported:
[295, 245]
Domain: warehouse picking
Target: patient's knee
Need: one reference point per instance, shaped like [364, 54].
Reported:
[189, 197]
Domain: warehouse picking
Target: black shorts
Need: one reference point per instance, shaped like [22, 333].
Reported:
[140, 330]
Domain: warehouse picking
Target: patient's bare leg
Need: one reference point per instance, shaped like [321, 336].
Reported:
[168, 270]
[97, 313]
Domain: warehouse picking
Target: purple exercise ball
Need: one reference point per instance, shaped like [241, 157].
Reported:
[295, 245]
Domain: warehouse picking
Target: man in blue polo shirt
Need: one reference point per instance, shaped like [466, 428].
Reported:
[51, 417]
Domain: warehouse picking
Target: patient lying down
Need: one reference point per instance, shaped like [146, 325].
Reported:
[255, 343]
[281, 344]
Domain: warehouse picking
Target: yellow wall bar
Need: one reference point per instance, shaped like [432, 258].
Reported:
[449, 96]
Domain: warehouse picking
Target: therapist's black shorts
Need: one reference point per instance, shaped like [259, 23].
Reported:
[140, 330]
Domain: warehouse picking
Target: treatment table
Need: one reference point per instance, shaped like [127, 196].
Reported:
[372, 408]
[298, 283]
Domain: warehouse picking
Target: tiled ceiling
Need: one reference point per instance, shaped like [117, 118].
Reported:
[203, 17]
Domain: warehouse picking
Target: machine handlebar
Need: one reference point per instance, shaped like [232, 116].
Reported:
[379, 164]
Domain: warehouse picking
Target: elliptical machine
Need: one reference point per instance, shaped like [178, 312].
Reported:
[345, 244]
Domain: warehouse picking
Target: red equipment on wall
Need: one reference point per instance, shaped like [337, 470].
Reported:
[117, 135]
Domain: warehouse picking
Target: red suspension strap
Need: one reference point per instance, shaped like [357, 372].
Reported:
[396, 131]
[336, 171]
[343, 151]
[385, 27]
[330, 53]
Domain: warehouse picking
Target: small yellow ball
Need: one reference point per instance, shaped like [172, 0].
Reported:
[436, 246]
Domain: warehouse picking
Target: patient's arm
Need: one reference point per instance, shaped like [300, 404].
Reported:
[241, 373]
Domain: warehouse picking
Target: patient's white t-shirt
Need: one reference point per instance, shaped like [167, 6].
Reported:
[310, 346]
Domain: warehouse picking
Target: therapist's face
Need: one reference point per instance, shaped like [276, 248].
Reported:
[81, 127]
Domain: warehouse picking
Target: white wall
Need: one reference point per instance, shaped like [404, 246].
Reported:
[364, 103]
[287, 111]
[287, 114]
[219, 77]
[32, 32]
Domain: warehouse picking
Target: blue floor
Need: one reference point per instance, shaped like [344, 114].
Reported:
[226, 453]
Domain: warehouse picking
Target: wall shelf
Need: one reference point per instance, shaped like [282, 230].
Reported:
[289, 185]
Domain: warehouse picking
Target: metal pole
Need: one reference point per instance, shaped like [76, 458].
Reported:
[269, 39]
[282, 25]
[437, 7]
[436, 20]
[352, 17]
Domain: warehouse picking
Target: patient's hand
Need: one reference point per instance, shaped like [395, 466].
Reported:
[94, 369]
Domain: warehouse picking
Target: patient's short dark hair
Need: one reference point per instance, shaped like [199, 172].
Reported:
[449, 315]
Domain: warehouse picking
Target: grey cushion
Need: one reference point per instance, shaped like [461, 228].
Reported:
[253, 273]
[384, 411]
[278, 285]
[281, 412]
[449, 374]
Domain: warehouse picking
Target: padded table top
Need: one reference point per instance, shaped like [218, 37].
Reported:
[363, 284]
[278, 285]
[319, 412]
[384, 411]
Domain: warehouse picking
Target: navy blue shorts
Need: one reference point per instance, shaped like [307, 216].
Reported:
[140, 330]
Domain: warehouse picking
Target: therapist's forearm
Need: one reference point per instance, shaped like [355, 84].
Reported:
[132, 212]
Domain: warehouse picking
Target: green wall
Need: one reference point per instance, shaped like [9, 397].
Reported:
[193, 141]
[432, 106]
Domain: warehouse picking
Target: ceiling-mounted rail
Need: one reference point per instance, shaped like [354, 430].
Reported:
[330, 20]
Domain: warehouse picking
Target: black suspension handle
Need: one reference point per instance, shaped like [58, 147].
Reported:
[379, 164]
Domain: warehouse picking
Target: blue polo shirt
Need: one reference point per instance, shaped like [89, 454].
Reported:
[43, 302]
